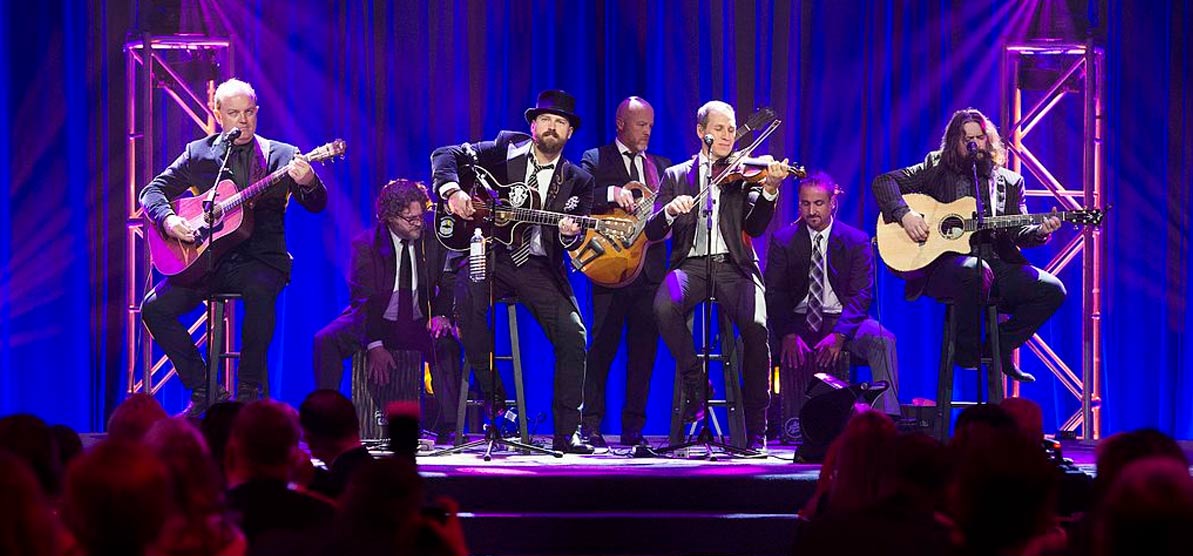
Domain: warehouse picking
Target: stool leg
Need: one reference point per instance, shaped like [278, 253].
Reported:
[994, 373]
[462, 406]
[732, 350]
[944, 387]
[215, 338]
[675, 437]
[516, 352]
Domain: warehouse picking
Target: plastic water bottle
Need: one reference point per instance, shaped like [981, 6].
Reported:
[476, 257]
[508, 423]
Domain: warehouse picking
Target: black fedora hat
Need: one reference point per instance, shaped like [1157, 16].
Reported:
[555, 101]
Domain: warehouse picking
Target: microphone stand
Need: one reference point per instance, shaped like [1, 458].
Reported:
[492, 437]
[979, 266]
[208, 237]
[705, 437]
[208, 230]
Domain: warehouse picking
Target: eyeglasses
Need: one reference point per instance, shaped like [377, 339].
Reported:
[409, 220]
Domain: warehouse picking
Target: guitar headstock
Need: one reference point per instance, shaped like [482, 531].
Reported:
[328, 151]
[620, 229]
[1084, 217]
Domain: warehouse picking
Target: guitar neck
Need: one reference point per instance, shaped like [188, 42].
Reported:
[534, 216]
[247, 194]
[1013, 220]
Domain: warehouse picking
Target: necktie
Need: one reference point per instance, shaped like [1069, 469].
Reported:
[702, 211]
[815, 315]
[634, 176]
[405, 293]
[521, 253]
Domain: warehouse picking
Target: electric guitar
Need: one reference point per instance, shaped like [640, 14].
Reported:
[950, 226]
[614, 262]
[232, 225]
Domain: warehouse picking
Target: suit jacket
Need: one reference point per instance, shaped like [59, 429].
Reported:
[744, 214]
[608, 168]
[196, 169]
[570, 189]
[850, 263]
[946, 185]
[374, 271]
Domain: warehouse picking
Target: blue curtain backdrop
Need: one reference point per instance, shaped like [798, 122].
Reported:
[863, 87]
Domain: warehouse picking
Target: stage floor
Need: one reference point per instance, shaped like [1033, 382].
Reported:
[610, 503]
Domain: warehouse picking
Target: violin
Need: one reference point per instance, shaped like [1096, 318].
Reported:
[752, 170]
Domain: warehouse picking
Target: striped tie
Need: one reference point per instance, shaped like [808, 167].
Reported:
[521, 253]
[816, 287]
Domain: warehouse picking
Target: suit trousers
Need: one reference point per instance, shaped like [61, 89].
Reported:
[537, 286]
[630, 308]
[258, 284]
[741, 298]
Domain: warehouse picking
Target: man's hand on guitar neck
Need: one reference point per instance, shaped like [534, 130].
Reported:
[913, 223]
[179, 229]
[459, 203]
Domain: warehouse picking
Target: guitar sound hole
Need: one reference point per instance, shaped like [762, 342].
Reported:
[951, 227]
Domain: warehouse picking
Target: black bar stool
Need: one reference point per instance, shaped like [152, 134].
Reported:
[992, 364]
[729, 356]
[515, 358]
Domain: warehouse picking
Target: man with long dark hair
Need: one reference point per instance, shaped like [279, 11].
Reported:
[1028, 294]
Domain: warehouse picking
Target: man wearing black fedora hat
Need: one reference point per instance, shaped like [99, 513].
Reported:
[533, 270]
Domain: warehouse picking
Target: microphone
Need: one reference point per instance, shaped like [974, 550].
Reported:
[972, 148]
[708, 139]
[476, 257]
[229, 136]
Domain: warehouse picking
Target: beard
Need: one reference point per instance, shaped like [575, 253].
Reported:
[549, 143]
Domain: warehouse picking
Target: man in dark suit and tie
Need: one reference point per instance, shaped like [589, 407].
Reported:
[533, 269]
[614, 166]
[819, 284]
[402, 287]
[739, 211]
[257, 269]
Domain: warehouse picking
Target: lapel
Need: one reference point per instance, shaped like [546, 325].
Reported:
[515, 164]
[651, 169]
[614, 157]
[387, 267]
[835, 246]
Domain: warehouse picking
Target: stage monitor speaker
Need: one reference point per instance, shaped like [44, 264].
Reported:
[828, 408]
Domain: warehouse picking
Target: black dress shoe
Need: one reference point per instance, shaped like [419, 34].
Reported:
[198, 404]
[632, 439]
[1009, 369]
[694, 403]
[571, 445]
[445, 438]
[757, 442]
[597, 440]
[248, 392]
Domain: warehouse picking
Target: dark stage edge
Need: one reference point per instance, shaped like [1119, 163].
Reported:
[609, 503]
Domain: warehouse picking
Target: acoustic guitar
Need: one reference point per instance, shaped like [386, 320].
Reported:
[186, 261]
[950, 227]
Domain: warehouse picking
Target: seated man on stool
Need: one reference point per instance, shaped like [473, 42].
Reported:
[401, 285]
[819, 283]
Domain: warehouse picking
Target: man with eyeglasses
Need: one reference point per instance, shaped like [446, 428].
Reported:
[401, 285]
[1028, 294]
[533, 270]
[257, 269]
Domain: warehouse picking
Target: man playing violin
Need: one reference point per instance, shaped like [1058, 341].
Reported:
[532, 270]
[739, 210]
